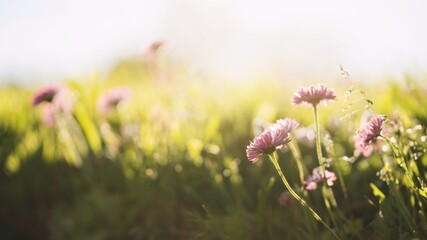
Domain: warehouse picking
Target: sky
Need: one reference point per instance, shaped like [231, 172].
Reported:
[50, 40]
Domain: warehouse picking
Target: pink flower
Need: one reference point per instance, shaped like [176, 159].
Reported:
[365, 150]
[274, 137]
[45, 94]
[369, 133]
[317, 176]
[313, 95]
[107, 102]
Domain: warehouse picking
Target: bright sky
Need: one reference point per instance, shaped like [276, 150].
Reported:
[48, 40]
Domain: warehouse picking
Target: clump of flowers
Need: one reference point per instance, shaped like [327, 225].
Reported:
[313, 95]
[109, 101]
[274, 137]
[317, 176]
[369, 133]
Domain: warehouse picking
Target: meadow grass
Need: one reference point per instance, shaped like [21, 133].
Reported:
[167, 160]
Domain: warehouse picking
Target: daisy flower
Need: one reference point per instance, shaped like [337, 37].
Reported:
[313, 95]
[369, 133]
[274, 137]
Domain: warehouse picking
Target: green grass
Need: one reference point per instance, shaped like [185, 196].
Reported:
[171, 163]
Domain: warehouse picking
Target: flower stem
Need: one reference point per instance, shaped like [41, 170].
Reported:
[403, 209]
[341, 178]
[320, 158]
[318, 144]
[273, 159]
[296, 154]
[400, 161]
[328, 194]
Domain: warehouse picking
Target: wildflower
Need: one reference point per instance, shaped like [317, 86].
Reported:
[274, 137]
[317, 176]
[366, 151]
[112, 98]
[313, 95]
[45, 94]
[369, 133]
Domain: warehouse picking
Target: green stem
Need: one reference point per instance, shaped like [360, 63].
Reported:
[330, 194]
[401, 162]
[296, 154]
[67, 126]
[341, 178]
[403, 208]
[297, 197]
[396, 196]
[337, 165]
[319, 145]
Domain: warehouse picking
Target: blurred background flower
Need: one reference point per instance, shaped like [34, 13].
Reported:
[112, 98]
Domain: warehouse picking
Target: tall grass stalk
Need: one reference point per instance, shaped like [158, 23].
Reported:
[398, 155]
[327, 192]
[297, 156]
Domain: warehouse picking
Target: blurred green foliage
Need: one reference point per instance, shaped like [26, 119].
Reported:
[170, 163]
